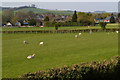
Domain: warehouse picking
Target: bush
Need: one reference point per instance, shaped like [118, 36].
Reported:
[32, 22]
[103, 25]
[67, 23]
[112, 19]
[106, 70]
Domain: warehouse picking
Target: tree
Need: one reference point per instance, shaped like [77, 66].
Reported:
[74, 17]
[46, 18]
[103, 25]
[101, 15]
[119, 15]
[14, 20]
[21, 16]
[47, 23]
[38, 22]
[32, 22]
[85, 18]
[7, 16]
[31, 14]
[56, 26]
[112, 19]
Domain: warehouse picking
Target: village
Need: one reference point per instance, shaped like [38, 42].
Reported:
[32, 19]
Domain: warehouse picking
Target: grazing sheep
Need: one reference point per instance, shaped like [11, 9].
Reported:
[25, 42]
[41, 43]
[31, 56]
[90, 32]
[76, 36]
[117, 31]
[80, 33]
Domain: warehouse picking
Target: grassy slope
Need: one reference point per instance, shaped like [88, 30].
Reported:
[60, 50]
[43, 11]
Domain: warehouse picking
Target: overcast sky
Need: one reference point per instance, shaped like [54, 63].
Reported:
[79, 5]
[60, 0]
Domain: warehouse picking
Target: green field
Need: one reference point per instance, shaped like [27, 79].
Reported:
[59, 50]
[109, 26]
[46, 11]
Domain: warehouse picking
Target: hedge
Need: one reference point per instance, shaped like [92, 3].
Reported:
[105, 70]
[61, 31]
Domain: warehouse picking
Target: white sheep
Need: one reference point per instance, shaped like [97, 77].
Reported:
[41, 43]
[117, 31]
[80, 33]
[25, 42]
[76, 36]
[90, 32]
[31, 56]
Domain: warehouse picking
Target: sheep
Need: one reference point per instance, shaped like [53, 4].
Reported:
[117, 31]
[41, 43]
[80, 33]
[76, 36]
[90, 32]
[31, 56]
[25, 42]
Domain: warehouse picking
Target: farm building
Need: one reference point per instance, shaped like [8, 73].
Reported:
[18, 24]
[25, 23]
[9, 24]
[97, 20]
[107, 19]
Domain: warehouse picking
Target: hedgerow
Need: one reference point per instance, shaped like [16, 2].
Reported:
[104, 70]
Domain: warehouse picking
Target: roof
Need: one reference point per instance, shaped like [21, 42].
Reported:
[9, 24]
[108, 18]
[25, 23]
[98, 19]
[18, 23]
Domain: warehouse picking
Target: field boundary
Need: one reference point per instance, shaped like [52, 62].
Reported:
[62, 31]
[104, 70]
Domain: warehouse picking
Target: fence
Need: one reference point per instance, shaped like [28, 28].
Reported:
[62, 31]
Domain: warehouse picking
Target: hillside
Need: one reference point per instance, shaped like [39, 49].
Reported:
[45, 11]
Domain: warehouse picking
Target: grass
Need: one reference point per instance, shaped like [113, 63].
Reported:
[0, 56]
[46, 11]
[109, 26]
[59, 50]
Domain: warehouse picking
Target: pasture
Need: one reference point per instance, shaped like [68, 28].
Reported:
[59, 50]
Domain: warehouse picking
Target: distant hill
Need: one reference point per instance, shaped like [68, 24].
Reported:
[46, 11]
[39, 11]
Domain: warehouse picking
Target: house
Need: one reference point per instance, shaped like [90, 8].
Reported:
[18, 24]
[40, 17]
[107, 19]
[97, 20]
[9, 24]
[25, 23]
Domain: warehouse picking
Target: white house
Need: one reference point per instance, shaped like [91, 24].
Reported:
[9, 24]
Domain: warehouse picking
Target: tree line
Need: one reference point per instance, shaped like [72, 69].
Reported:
[77, 19]
[82, 19]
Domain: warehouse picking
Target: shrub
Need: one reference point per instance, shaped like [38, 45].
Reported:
[32, 22]
[112, 19]
[103, 25]
[106, 70]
